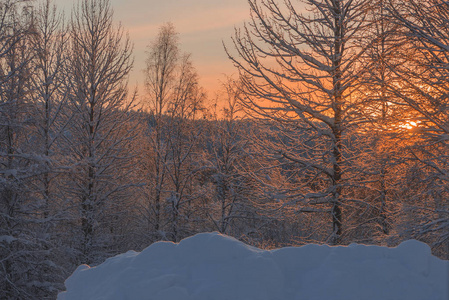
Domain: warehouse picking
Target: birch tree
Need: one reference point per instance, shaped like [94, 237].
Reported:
[98, 136]
[184, 132]
[160, 71]
[49, 94]
[227, 151]
[174, 100]
[48, 97]
[232, 201]
[23, 275]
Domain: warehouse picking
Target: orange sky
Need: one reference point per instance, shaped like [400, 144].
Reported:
[202, 25]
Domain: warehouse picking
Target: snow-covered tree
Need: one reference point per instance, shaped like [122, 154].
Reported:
[227, 153]
[162, 57]
[48, 97]
[184, 130]
[380, 139]
[300, 68]
[25, 271]
[234, 202]
[424, 88]
[98, 136]
[49, 94]
[174, 100]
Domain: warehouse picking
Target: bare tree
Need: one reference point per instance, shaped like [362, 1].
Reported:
[231, 208]
[424, 89]
[49, 92]
[98, 136]
[227, 150]
[184, 129]
[301, 71]
[175, 102]
[48, 97]
[162, 61]
[22, 274]
[379, 158]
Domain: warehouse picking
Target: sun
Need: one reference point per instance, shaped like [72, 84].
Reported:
[409, 125]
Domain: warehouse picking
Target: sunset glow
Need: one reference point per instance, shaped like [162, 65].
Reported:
[409, 125]
[131, 125]
[203, 26]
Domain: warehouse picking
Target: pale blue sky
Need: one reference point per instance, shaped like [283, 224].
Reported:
[202, 24]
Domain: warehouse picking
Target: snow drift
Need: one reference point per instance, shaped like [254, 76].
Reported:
[211, 266]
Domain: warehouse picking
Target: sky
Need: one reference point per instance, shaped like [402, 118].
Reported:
[203, 25]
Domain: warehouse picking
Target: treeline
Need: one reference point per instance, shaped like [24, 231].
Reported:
[334, 132]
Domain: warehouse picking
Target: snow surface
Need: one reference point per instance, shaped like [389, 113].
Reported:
[210, 266]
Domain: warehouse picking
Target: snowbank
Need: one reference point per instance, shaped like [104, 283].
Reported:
[211, 266]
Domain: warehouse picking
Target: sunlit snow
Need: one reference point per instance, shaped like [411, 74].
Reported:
[211, 266]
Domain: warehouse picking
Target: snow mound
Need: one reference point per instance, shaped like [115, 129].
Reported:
[210, 266]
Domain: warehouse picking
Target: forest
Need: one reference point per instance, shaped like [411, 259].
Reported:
[334, 131]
